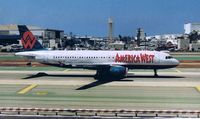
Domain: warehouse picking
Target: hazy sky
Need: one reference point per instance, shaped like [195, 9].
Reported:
[90, 17]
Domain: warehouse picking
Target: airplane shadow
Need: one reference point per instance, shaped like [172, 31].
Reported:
[111, 79]
[151, 76]
[42, 74]
[99, 81]
[102, 81]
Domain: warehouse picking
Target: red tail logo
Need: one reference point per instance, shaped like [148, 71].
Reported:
[28, 40]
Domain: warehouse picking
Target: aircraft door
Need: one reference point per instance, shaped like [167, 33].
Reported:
[46, 59]
[157, 58]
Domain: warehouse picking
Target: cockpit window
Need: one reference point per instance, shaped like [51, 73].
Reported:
[168, 57]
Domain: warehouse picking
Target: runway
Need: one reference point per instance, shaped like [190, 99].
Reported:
[173, 77]
[173, 89]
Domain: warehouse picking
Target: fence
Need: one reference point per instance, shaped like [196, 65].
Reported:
[99, 112]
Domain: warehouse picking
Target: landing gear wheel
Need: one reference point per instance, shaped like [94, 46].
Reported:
[100, 74]
[28, 64]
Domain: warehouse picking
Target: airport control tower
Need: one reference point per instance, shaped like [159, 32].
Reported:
[140, 36]
[110, 30]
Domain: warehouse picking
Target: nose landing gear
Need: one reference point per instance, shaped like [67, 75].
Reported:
[155, 73]
[28, 64]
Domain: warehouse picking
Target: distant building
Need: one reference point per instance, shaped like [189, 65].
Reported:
[9, 34]
[189, 27]
[110, 30]
[118, 45]
[7, 37]
[183, 43]
[141, 37]
[153, 44]
[195, 47]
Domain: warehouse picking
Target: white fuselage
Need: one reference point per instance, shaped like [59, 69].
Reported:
[129, 59]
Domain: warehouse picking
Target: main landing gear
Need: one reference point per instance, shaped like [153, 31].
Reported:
[155, 72]
[28, 64]
[100, 74]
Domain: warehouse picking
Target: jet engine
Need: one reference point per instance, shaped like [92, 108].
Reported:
[118, 71]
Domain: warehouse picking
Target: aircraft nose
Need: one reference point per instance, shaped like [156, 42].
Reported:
[176, 62]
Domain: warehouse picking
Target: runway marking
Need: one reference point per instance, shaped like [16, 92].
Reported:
[178, 71]
[198, 88]
[66, 70]
[41, 93]
[28, 88]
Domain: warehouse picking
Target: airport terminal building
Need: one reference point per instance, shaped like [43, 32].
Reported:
[49, 38]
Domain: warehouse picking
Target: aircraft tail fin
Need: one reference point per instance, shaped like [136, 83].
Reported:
[28, 40]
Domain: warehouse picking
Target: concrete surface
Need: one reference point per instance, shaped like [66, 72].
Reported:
[173, 89]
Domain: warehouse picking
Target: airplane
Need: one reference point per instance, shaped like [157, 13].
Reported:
[112, 63]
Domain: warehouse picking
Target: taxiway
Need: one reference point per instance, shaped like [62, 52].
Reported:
[71, 88]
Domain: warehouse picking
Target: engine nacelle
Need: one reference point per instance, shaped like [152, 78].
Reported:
[118, 71]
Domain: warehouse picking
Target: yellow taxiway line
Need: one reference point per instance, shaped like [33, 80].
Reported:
[28, 88]
[198, 88]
